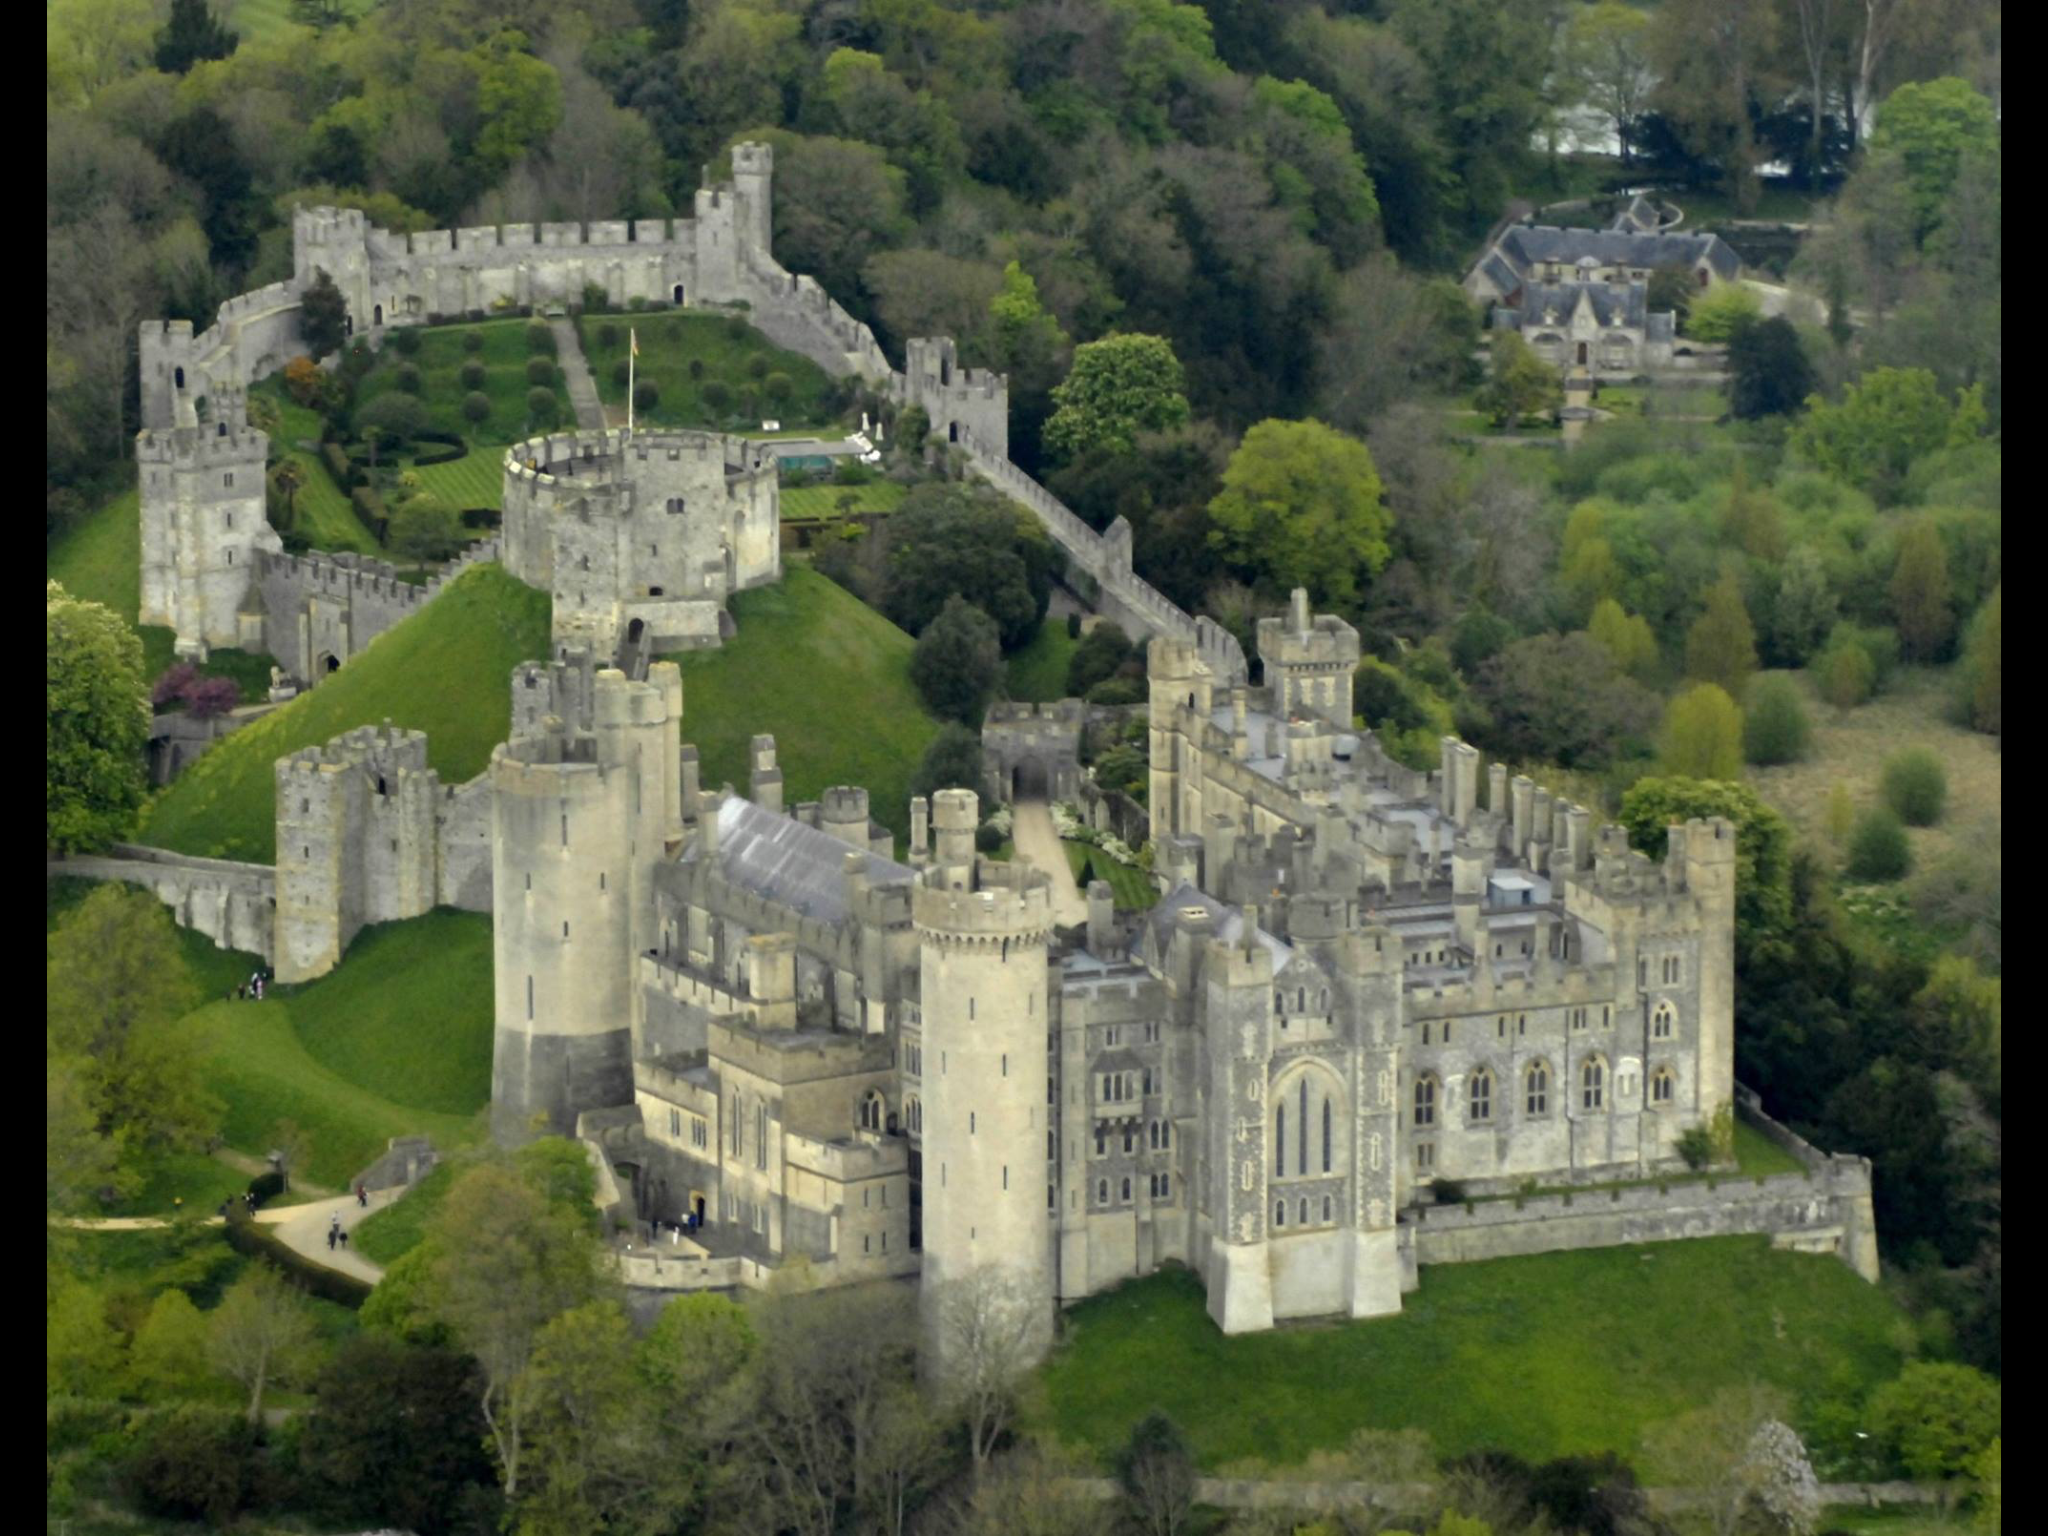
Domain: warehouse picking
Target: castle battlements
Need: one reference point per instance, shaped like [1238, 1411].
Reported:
[990, 913]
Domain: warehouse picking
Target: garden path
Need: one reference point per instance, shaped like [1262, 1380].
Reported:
[1031, 830]
[576, 376]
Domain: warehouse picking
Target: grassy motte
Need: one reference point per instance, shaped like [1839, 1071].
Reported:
[446, 670]
[1553, 1355]
[670, 342]
[824, 674]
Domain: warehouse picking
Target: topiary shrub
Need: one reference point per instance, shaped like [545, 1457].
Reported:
[735, 328]
[988, 837]
[757, 366]
[472, 374]
[407, 340]
[542, 407]
[267, 1186]
[476, 406]
[1877, 848]
[696, 368]
[608, 336]
[410, 379]
[540, 370]
[778, 387]
[716, 395]
[645, 395]
[473, 341]
[540, 338]
[1915, 786]
[1774, 726]
[621, 371]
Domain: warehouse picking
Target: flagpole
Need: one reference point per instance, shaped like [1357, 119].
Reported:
[632, 357]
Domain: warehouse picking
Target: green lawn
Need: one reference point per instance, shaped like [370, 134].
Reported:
[1038, 671]
[440, 359]
[202, 1182]
[1133, 887]
[477, 479]
[669, 342]
[820, 503]
[321, 510]
[828, 677]
[1554, 1355]
[387, 1235]
[446, 671]
[407, 1015]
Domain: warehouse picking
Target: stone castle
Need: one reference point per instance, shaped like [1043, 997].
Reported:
[1359, 981]
[580, 508]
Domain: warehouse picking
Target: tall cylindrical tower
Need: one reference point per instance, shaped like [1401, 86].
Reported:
[987, 1232]
[561, 935]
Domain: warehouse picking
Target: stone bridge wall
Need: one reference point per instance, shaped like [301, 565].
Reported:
[233, 904]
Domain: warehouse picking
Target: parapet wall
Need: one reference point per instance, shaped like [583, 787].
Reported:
[228, 902]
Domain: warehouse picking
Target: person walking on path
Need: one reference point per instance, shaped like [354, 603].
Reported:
[332, 1232]
[363, 1196]
[344, 1239]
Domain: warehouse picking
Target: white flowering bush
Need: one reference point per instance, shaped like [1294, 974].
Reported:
[1781, 1487]
[1067, 821]
[1116, 848]
[1000, 819]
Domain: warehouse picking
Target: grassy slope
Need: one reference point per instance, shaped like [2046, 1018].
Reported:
[669, 341]
[345, 1056]
[1038, 672]
[334, 1054]
[829, 678]
[1545, 1356]
[445, 671]
[387, 1235]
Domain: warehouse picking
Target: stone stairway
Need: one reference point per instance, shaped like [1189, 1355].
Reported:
[576, 376]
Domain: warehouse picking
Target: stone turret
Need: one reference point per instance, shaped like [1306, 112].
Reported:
[1309, 663]
[983, 995]
[579, 817]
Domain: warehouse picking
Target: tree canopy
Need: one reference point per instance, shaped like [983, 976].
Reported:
[1118, 387]
[96, 725]
[1300, 507]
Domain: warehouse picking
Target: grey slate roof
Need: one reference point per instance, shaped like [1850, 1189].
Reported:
[1524, 245]
[1629, 301]
[1228, 920]
[782, 859]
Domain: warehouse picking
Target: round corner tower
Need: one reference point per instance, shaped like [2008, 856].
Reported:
[983, 942]
[578, 819]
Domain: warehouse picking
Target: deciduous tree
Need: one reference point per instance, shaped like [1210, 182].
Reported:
[1921, 593]
[1118, 387]
[1720, 647]
[96, 725]
[1300, 507]
[958, 662]
[261, 1334]
[1702, 737]
[1519, 383]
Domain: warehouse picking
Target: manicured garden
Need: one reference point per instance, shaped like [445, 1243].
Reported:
[705, 371]
[1558, 1354]
[446, 670]
[829, 678]
[488, 358]
[829, 501]
[1132, 885]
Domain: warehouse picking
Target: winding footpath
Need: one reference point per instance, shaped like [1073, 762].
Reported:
[301, 1228]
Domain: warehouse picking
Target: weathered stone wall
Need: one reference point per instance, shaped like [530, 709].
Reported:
[1821, 1211]
[228, 902]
